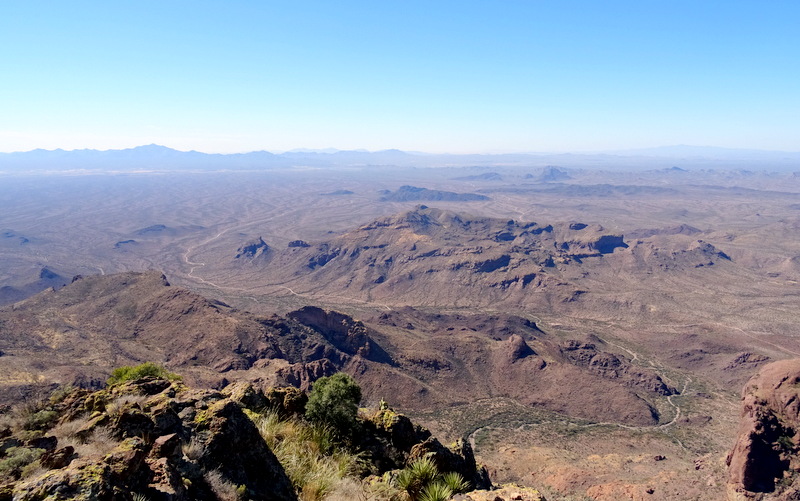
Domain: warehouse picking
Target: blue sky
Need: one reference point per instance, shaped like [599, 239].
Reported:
[436, 76]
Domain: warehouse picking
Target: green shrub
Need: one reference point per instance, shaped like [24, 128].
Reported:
[334, 402]
[16, 459]
[147, 369]
[60, 393]
[40, 420]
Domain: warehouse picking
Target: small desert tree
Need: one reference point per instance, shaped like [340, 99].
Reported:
[334, 402]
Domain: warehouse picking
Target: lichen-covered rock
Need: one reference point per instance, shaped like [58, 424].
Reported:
[88, 479]
[246, 395]
[169, 442]
[764, 462]
[287, 400]
[157, 422]
[233, 447]
[401, 432]
[58, 458]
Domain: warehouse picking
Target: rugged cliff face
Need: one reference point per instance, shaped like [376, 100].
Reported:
[764, 464]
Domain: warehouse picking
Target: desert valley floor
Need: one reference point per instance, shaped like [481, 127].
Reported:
[588, 330]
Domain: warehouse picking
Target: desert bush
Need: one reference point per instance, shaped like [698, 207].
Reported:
[60, 393]
[32, 470]
[40, 420]
[147, 369]
[16, 459]
[99, 443]
[68, 430]
[333, 401]
[115, 407]
[193, 449]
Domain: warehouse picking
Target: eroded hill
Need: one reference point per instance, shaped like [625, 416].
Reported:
[423, 361]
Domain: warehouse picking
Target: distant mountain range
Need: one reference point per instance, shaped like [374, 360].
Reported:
[160, 158]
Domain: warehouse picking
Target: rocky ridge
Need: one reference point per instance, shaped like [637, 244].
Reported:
[170, 442]
[80, 333]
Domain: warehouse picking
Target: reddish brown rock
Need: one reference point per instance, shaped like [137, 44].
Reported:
[764, 463]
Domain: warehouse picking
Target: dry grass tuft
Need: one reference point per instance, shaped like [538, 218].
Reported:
[309, 454]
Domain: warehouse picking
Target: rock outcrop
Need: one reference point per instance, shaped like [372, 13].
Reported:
[162, 440]
[764, 463]
[400, 443]
[167, 442]
[252, 249]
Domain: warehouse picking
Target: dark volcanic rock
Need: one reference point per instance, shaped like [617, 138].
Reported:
[346, 334]
[252, 249]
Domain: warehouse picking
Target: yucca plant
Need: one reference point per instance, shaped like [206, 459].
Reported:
[421, 481]
[436, 491]
[416, 476]
[455, 482]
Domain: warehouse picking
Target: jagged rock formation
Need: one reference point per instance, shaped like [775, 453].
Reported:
[764, 463]
[515, 359]
[392, 440]
[81, 332]
[252, 249]
[343, 332]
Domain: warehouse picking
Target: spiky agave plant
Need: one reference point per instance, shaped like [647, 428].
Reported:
[435, 491]
[455, 482]
[416, 476]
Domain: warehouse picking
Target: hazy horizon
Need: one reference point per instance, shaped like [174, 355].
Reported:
[667, 150]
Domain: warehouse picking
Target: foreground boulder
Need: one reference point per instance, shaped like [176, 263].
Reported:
[166, 441]
[764, 464]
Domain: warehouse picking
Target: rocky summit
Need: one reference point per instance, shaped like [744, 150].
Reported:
[157, 439]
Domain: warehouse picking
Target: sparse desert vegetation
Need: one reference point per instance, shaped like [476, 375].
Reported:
[654, 346]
